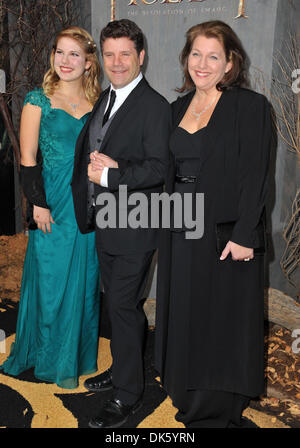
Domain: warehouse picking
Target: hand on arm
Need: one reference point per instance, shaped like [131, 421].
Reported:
[99, 161]
[94, 173]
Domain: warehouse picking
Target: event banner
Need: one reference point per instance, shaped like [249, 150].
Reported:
[240, 13]
[165, 23]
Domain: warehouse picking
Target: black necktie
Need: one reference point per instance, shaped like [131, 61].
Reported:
[110, 106]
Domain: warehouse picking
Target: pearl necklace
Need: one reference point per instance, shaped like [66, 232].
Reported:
[197, 115]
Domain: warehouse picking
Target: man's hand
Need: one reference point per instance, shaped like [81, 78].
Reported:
[238, 253]
[43, 218]
[99, 161]
[94, 174]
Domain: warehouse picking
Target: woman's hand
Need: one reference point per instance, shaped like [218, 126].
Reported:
[238, 253]
[94, 174]
[96, 163]
[43, 218]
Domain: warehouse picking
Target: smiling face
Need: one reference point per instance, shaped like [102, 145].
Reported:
[122, 63]
[207, 63]
[70, 60]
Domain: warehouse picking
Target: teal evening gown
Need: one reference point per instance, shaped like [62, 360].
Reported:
[57, 328]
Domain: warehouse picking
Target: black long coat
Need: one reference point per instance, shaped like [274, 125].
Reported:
[225, 336]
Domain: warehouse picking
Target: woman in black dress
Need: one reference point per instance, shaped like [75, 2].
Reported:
[209, 328]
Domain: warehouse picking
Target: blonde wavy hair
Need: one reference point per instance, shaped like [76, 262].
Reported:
[90, 79]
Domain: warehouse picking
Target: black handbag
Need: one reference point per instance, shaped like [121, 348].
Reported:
[224, 231]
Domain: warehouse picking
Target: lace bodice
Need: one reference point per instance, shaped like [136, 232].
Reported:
[58, 130]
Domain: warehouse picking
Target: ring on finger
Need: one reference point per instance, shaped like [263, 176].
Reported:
[246, 259]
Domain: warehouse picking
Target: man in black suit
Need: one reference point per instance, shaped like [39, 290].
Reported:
[124, 142]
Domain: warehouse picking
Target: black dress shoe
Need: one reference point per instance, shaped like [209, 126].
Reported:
[100, 382]
[114, 414]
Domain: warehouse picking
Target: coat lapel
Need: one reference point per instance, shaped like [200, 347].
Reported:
[221, 118]
[179, 113]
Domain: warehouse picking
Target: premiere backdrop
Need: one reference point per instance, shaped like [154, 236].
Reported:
[263, 27]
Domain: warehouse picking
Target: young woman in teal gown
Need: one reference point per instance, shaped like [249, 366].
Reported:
[57, 328]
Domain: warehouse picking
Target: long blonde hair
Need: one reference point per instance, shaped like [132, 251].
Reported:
[91, 85]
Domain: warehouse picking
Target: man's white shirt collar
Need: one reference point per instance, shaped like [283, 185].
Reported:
[123, 93]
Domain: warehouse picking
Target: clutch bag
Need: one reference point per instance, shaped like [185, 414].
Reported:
[224, 232]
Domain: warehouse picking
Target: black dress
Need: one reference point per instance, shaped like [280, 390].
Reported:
[196, 408]
[220, 303]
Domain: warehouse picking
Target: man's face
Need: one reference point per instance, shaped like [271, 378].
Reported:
[121, 61]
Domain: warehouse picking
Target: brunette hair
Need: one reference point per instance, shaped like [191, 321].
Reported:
[91, 84]
[123, 28]
[234, 52]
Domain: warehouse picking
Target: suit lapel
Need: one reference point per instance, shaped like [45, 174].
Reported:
[122, 112]
[220, 120]
[93, 113]
[82, 144]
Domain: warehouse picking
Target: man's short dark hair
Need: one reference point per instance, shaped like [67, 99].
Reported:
[123, 28]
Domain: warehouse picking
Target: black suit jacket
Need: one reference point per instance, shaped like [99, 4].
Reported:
[137, 139]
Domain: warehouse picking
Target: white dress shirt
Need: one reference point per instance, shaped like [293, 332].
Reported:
[121, 95]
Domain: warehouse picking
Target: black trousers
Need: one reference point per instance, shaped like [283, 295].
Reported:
[124, 279]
